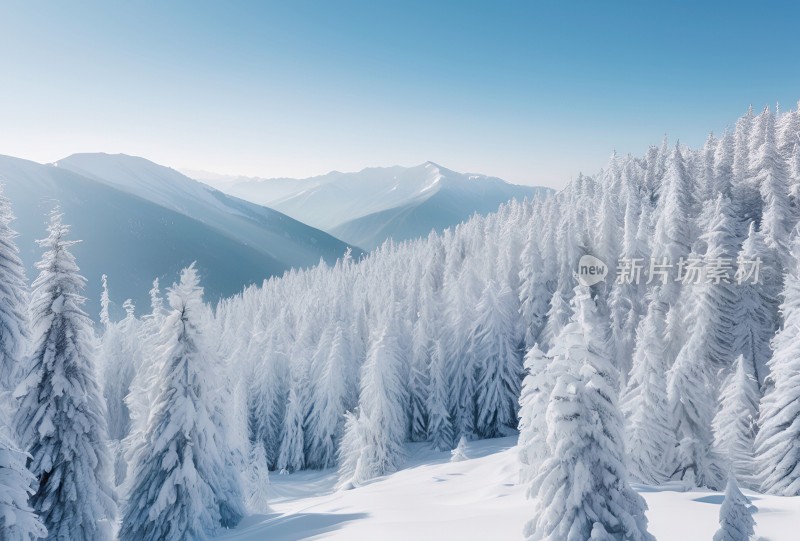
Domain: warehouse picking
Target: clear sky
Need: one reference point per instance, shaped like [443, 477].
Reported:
[533, 92]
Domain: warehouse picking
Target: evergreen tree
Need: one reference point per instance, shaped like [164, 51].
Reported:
[689, 392]
[581, 491]
[735, 424]
[257, 479]
[14, 331]
[379, 446]
[777, 444]
[648, 425]
[61, 418]
[498, 361]
[459, 454]
[291, 456]
[18, 521]
[756, 324]
[735, 517]
[175, 481]
[533, 293]
[326, 419]
[536, 389]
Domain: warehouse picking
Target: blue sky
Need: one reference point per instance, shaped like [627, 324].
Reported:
[528, 91]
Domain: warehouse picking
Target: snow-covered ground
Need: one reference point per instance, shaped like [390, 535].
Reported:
[477, 499]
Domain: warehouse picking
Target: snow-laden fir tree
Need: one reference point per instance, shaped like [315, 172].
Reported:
[459, 454]
[257, 479]
[291, 455]
[14, 332]
[626, 301]
[736, 422]
[533, 292]
[18, 521]
[735, 516]
[709, 348]
[119, 352]
[777, 443]
[429, 343]
[648, 425]
[61, 416]
[373, 443]
[581, 491]
[143, 388]
[331, 397]
[497, 356]
[535, 395]
[174, 477]
[756, 323]
[690, 393]
[266, 387]
[461, 295]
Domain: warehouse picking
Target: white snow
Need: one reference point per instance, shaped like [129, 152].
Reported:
[476, 499]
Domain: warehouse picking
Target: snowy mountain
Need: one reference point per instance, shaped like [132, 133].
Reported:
[367, 207]
[139, 221]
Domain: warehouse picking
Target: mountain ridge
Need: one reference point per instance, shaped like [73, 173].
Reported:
[367, 207]
[134, 235]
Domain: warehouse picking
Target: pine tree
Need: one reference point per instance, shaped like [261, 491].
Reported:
[257, 479]
[689, 392]
[535, 395]
[14, 331]
[375, 448]
[735, 424]
[61, 418]
[756, 323]
[291, 456]
[648, 425]
[175, 484]
[581, 492]
[326, 419]
[735, 518]
[498, 361]
[777, 444]
[18, 521]
[459, 454]
[533, 293]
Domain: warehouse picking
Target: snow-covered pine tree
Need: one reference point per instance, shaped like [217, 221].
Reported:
[461, 299]
[257, 479]
[692, 409]
[373, 443]
[756, 324]
[291, 456]
[533, 292]
[174, 482]
[777, 445]
[14, 331]
[581, 492]
[18, 521]
[648, 425]
[735, 424]
[61, 416]
[459, 454]
[499, 370]
[735, 517]
[119, 354]
[326, 419]
[772, 178]
[535, 395]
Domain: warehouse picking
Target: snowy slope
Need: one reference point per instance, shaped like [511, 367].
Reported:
[140, 221]
[475, 500]
[367, 207]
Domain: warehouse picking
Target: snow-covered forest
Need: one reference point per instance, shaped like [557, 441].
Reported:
[165, 424]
